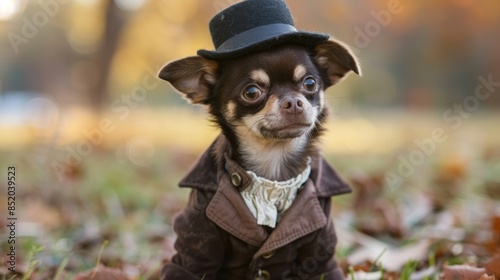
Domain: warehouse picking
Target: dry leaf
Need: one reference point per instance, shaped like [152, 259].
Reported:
[375, 214]
[102, 273]
[463, 272]
[493, 266]
[492, 189]
[447, 181]
[40, 212]
[494, 243]
[361, 275]
[392, 259]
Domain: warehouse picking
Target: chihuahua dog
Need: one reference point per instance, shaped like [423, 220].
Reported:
[260, 201]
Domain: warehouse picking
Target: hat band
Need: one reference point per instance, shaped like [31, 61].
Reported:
[255, 35]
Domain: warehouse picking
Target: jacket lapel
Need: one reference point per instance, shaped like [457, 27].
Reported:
[228, 210]
[304, 216]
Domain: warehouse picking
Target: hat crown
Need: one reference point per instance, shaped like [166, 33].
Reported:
[255, 25]
[247, 15]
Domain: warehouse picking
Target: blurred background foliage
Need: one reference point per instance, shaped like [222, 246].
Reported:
[89, 51]
[100, 143]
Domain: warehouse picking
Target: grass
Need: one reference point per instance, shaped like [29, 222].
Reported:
[60, 268]
[98, 262]
[377, 260]
[351, 273]
[32, 261]
[408, 269]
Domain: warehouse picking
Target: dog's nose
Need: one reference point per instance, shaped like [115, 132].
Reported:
[292, 104]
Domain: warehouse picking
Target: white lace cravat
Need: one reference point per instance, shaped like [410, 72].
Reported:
[268, 200]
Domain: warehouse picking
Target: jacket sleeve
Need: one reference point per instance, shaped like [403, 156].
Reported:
[320, 252]
[199, 245]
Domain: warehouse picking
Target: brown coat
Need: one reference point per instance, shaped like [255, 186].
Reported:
[218, 238]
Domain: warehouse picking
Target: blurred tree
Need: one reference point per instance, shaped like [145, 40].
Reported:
[115, 19]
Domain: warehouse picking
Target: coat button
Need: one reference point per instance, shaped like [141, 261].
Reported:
[262, 275]
[268, 255]
[236, 179]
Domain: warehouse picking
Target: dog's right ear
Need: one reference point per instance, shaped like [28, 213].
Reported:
[192, 76]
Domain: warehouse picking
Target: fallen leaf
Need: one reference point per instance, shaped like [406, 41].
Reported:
[361, 275]
[102, 273]
[447, 181]
[493, 266]
[425, 273]
[463, 272]
[454, 167]
[494, 243]
[487, 277]
[375, 214]
[492, 189]
[392, 259]
[40, 212]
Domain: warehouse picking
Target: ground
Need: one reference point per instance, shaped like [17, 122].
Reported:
[426, 194]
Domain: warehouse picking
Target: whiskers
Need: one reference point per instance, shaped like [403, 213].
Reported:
[259, 117]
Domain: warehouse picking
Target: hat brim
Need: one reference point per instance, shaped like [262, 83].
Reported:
[307, 39]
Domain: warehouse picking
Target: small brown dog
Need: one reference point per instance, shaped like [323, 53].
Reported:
[260, 204]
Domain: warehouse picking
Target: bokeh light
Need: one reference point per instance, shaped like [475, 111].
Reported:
[9, 9]
[129, 5]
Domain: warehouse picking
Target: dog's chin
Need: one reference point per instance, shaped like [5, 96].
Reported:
[285, 132]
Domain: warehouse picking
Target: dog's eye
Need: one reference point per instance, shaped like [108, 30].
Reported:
[309, 84]
[252, 93]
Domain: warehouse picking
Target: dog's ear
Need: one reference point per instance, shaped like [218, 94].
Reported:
[336, 59]
[192, 76]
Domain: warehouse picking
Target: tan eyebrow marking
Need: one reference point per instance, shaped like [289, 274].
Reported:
[260, 76]
[299, 72]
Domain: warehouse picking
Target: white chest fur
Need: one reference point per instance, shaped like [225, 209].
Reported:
[269, 159]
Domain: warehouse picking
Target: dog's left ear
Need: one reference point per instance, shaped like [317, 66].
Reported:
[337, 60]
[192, 76]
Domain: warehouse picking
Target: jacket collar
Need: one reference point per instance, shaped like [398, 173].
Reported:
[206, 172]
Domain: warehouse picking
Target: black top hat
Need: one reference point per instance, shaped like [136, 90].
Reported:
[254, 25]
